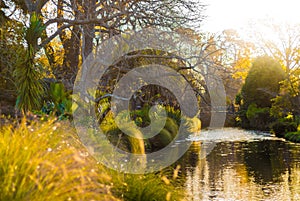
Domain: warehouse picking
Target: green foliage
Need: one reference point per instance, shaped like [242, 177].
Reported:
[141, 116]
[45, 161]
[288, 99]
[113, 133]
[147, 187]
[59, 101]
[285, 125]
[133, 136]
[165, 136]
[34, 31]
[238, 99]
[253, 111]
[10, 51]
[258, 118]
[262, 82]
[261, 86]
[280, 127]
[281, 106]
[142, 119]
[173, 113]
[293, 136]
[30, 88]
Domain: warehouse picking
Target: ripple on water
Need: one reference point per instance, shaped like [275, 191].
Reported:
[231, 135]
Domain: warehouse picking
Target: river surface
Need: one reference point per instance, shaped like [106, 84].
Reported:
[233, 164]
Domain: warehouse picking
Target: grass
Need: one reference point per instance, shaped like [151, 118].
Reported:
[149, 187]
[44, 160]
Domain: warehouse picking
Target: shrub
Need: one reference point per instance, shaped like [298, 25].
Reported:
[293, 136]
[258, 118]
[280, 128]
[58, 102]
[141, 118]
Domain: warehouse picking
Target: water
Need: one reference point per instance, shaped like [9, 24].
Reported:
[241, 165]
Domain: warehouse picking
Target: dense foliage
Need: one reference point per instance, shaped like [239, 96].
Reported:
[268, 99]
[262, 82]
[261, 86]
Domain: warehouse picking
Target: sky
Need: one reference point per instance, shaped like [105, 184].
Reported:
[225, 14]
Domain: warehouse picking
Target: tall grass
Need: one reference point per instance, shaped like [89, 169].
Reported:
[147, 187]
[45, 161]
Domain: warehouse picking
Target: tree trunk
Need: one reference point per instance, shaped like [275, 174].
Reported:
[68, 71]
[89, 29]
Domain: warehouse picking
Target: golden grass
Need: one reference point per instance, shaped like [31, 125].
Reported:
[45, 161]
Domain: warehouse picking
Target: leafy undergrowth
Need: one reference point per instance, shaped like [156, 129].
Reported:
[44, 160]
[149, 187]
[293, 136]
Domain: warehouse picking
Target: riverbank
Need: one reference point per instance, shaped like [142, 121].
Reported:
[45, 160]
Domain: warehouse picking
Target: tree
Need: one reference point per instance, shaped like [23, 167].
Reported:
[225, 58]
[30, 88]
[284, 47]
[287, 101]
[80, 25]
[10, 51]
[83, 24]
[261, 86]
[235, 61]
[262, 82]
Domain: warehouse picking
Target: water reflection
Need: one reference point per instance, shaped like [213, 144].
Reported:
[260, 169]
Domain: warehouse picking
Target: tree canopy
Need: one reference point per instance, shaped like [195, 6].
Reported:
[262, 82]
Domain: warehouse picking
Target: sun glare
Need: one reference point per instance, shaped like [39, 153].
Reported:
[238, 14]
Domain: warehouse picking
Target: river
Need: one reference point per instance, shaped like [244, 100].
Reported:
[241, 165]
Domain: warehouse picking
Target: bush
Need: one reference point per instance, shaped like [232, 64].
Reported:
[142, 119]
[293, 136]
[258, 118]
[58, 102]
[280, 128]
